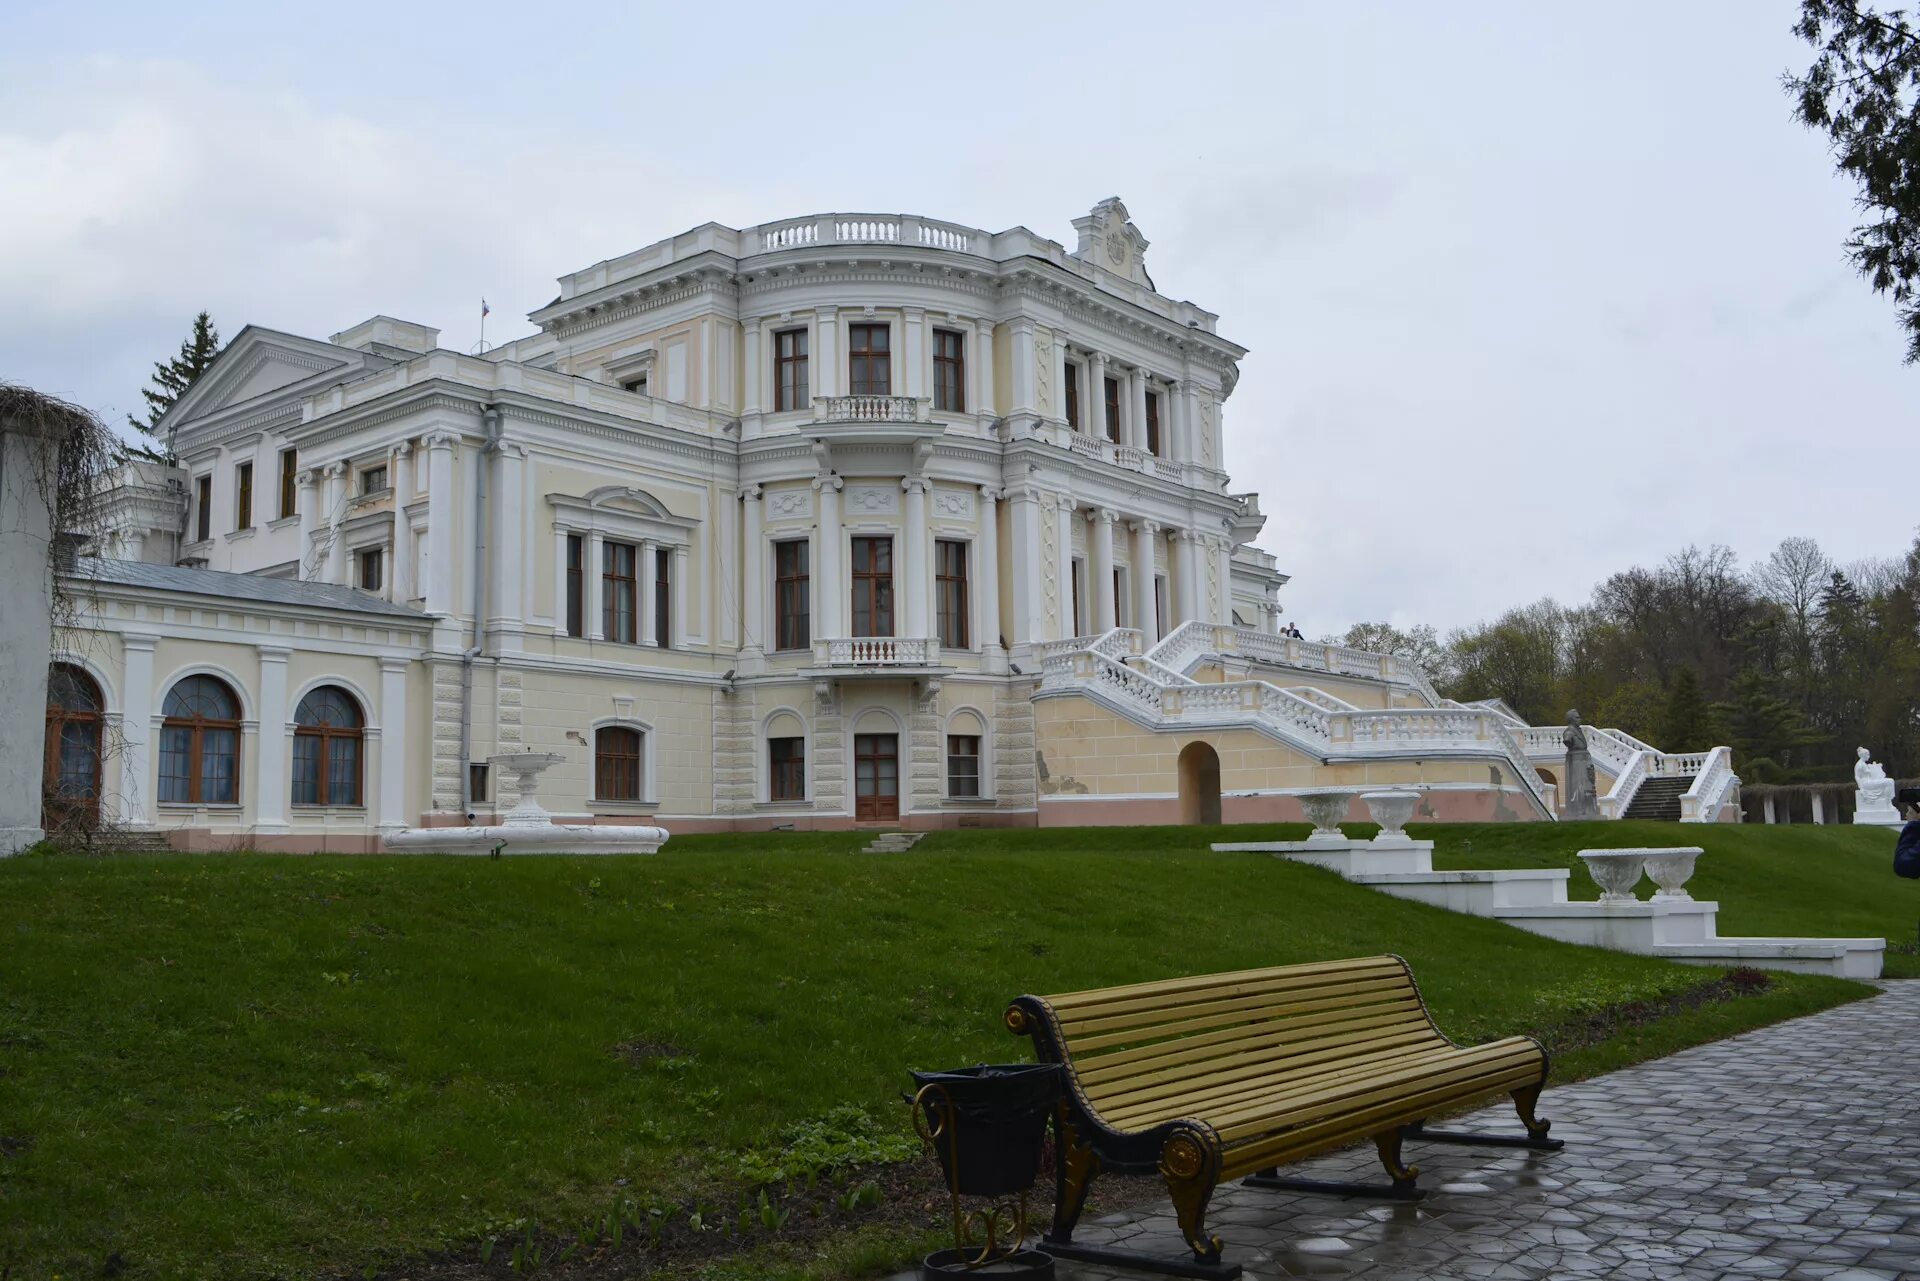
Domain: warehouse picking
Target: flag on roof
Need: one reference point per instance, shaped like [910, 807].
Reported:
[485, 311]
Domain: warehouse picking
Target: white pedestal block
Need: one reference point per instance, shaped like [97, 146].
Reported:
[1477, 893]
[1635, 926]
[1882, 816]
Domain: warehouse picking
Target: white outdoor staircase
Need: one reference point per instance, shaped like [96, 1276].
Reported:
[1156, 688]
[1670, 924]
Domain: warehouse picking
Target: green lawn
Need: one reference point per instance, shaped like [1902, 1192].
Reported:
[274, 1066]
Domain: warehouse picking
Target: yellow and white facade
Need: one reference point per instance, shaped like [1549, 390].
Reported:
[840, 519]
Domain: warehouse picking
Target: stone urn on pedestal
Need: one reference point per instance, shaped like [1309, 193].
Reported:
[1325, 810]
[1391, 810]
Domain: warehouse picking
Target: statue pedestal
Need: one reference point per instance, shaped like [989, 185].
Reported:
[1880, 815]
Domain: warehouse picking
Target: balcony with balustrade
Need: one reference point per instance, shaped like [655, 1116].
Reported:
[875, 658]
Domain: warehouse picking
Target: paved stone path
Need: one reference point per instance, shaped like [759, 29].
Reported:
[1793, 1151]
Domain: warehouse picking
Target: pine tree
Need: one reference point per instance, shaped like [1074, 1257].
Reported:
[1685, 725]
[171, 378]
[1768, 734]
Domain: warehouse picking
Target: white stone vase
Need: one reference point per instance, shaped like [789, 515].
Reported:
[1616, 872]
[1670, 869]
[1326, 809]
[526, 768]
[1391, 810]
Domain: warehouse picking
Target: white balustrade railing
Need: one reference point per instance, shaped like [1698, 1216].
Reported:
[873, 651]
[1626, 783]
[872, 409]
[791, 236]
[1159, 671]
[869, 229]
[1701, 802]
[1121, 642]
[941, 236]
[866, 231]
[1320, 698]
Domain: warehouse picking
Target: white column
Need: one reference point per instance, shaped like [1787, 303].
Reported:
[1186, 577]
[440, 524]
[1179, 420]
[400, 573]
[645, 574]
[986, 575]
[913, 324]
[133, 545]
[560, 536]
[1023, 366]
[750, 377]
[596, 606]
[393, 745]
[830, 607]
[753, 565]
[823, 365]
[1223, 553]
[136, 728]
[1145, 535]
[273, 784]
[1026, 521]
[915, 566]
[1065, 517]
[1060, 376]
[1137, 408]
[983, 390]
[1093, 408]
[307, 498]
[677, 593]
[335, 504]
[1766, 806]
[1819, 807]
[1100, 564]
[506, 541]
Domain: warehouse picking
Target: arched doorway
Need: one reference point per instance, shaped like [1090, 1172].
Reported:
[1199, 784]
[70, 774]
[1546, 776]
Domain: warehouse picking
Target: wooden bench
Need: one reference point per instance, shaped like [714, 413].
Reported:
[1221, 1075]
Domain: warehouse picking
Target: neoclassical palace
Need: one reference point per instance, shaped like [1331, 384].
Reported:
[844, 519]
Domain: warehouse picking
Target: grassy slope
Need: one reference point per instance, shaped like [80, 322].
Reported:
[258, 1065]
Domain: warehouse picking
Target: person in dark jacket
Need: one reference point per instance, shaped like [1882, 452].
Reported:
[1906, 854]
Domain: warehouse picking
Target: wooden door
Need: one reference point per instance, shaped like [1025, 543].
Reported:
[876, 777]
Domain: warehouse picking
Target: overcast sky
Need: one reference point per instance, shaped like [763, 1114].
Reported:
[1533, 292]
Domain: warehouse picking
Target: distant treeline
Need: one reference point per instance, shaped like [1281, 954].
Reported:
[1793, 663]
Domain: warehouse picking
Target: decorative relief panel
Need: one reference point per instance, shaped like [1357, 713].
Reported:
[1206, 430]
[954, 504]
[1043, 374]
[789, 504]
[873, 500]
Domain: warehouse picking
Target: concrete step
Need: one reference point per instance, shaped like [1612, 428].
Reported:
[1843, 958]
[1479, 893]
[1658, 799]
[894, 842]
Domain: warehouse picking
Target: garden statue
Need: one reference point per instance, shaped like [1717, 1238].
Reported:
[1873, 794]
[1581, 800]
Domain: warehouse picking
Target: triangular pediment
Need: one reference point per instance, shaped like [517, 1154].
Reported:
[260, 362]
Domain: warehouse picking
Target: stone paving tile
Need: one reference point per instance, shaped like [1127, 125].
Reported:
[1787, 1152]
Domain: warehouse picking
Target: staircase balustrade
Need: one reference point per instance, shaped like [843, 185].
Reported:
[1701, 803]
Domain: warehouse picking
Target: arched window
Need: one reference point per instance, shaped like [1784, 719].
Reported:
[328, 730]
[616, 764]
[71, 777]
[200, 743]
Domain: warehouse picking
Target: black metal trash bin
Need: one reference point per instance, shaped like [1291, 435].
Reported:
[994, 1117]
